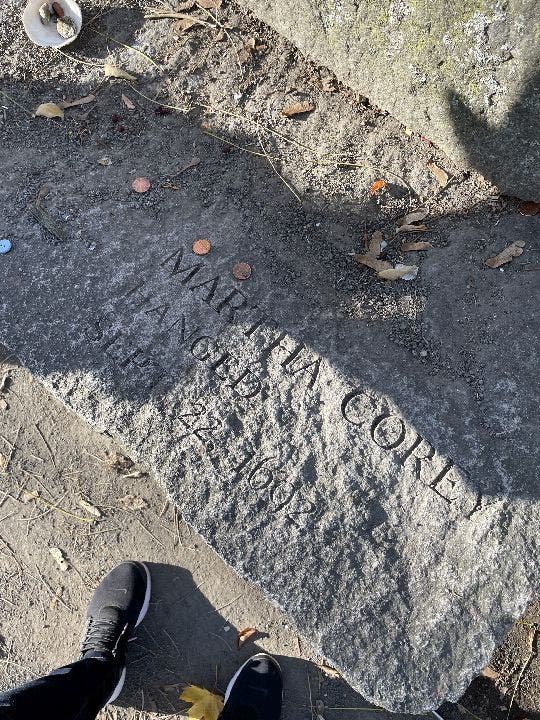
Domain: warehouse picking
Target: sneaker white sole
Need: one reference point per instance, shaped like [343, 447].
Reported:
[237, 673]
[118, 689]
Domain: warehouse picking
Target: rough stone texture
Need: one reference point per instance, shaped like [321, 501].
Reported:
[463, 74]
[389, 507]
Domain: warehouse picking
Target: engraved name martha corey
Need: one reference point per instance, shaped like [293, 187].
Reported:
[238, 359]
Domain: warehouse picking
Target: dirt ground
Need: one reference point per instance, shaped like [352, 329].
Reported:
[232, 77]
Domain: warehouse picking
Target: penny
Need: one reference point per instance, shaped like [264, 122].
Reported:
[529, 208]
[141, 185]
[241, 271]
[202, 246]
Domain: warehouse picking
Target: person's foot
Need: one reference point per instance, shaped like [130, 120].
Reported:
[119, 604]
[255, 692]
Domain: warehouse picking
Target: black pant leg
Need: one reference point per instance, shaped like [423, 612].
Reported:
[73, 692]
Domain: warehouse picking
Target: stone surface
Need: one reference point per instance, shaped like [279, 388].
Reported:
[464, 75]
[390, 507]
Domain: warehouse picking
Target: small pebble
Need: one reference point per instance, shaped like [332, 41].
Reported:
[65, 27]
[423, 353]
[58, 9]
[44, 13]
[5, 246]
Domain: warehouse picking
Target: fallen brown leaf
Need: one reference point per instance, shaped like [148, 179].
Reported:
[246, 51]
[180, 26]
[209, 4]
[400, 272]
[73, 103]
[132, 502]
[412, 228]
[49, 110]
[377, 187]
[413, 217]
[29, 495]
[90, 509]
[244, 635]
[511, 251]
[416, 246]
[489, 672]
[376, 244]
[439, 174]
[373, 263]
[112, 71]
[120, 463]
[298, 108]
[330, 671]
[128, 102]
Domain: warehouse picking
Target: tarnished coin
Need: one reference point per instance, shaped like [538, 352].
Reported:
[529, 207]
[141, 185]
[241, 271]
[202, 246]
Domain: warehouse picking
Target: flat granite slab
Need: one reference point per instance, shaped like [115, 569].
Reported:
[383, 495]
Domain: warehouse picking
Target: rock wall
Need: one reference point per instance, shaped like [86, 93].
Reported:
[463, 74]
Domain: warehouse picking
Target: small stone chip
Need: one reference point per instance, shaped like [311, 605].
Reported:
[65, 27]
[242, 271]
[44, 13]
[141, 185]
[202, 246]
[58, 9]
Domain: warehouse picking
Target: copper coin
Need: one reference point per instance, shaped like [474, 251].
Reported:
[202, 246]
[141, 185]
[529, 208]
[241, 271]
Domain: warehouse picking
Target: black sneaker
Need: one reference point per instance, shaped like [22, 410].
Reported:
[119, 604]
[255, 692]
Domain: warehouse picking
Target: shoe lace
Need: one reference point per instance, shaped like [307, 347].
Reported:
[101, 634]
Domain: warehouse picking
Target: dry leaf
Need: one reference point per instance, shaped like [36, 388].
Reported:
[330, 671]
[90, 509]
[376, 245]
[513, 250]
[373, 263]
[3, 462]
[120, 463]
[400, 272]
[115, 72]
[489, 672]
[59, 558]
[73, 103]
[105, 161]
[186, 5]
[135, 474]
[132, 502]
[180, 26]
[298, 108]
[413, 217]
[244, 635]
[416, 246]
[49, 110]
[209, 4]
[29, 495]
[439, 174]
[3, 404]
[204, 704]
[377, 187]
[412, 228]
[127, 102]
[246, 51]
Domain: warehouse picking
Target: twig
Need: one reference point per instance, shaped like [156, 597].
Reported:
[76, 59]
[150, 533]
[54, 506]
[240, 147]
[227, 34]
[16, 103]
[49, 588]
[468, 712]
[51, 454]
[274, 168]
[310, 695]
[211, 612]
[533, 651]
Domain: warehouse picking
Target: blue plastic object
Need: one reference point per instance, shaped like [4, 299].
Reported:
[5, 246]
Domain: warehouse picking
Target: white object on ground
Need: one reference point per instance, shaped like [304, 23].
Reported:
[47, 35]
